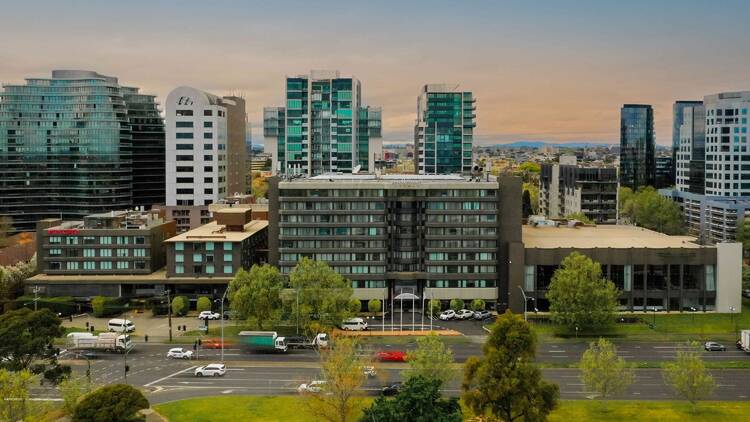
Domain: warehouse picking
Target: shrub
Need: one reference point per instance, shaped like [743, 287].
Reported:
[203, 304]
[180, 306]
[112, 403]
[477, 305]
[374, 305]
[434, 306]
[457, 304]
[355, 305]
[64, 305]
[106, 306]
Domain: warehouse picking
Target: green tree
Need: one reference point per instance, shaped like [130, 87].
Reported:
[745, 277]
[419, 400]
[603, 371]
[505, 382]
[342, 370]
[431, 360]
[625, 203]
[72, 389]
[374, 305]
[355, 305]
[6, 225]
[98, 305]
[743, 235]
[259, 185]
[434, 306]
[533, 189]
[255, 295]
[27, 338]
[12, 278]
[478, 305]
[180, 305]
[688, 376]
[324, 295]
[203, 304]
[457, 304]
[580, 217]
[14, 395]
[526, 209]
[646, 208]
[111, 403]
[579, 296]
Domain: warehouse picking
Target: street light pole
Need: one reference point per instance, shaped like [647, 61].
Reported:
[525, 303]
[732, 310]
[223, 297]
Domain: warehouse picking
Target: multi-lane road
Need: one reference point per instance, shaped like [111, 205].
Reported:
[269, 374]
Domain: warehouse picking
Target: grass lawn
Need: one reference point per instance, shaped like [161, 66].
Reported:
[240, 408]
[674, 326]
[291, 409]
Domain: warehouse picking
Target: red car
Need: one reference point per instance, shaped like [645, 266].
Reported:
[214, 343]
[391, 356]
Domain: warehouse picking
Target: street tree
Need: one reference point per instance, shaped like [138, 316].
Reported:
[579, 296]
[203, 304]
[180, 305]
[259, 185]
[434, 306]
[603, 371]
[72, 390]
[255, 295]
[419, 400]
[342, 370]
[111, 403]
[374, 305]
[14, 395]
[430, 360]
[505, 383]
[533, 189]
[324, 295]
[743, 235]
[27, 338]
[688, 376]
[355, 305]
[457, 304]
[526, 209]
[646, 208]
[478, 305]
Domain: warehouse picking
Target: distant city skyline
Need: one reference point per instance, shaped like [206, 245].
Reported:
[549, 71]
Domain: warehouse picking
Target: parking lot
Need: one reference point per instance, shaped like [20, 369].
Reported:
[156, 327]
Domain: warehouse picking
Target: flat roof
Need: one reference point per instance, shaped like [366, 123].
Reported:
[158, 276]
[604, 236]
[218, 233]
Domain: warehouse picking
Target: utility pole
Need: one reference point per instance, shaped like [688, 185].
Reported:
[36, 297]
[169, 314]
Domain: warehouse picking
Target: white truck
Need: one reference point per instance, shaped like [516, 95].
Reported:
[297, 342]
[744, 343]
[107, 342]
[263, 341]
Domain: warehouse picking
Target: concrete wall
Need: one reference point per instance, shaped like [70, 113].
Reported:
[729, 277]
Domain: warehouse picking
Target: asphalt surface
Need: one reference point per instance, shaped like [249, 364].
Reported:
[271, 374]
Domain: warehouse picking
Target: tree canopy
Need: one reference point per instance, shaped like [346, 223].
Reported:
[688, 376]
[111, 403]
[603, 371]
[255, 295]
[14, 395]
[743, 234]
[430, 360]
[579, 296]
[419, 400]
[324, 295]
[646, 208]
[505, 382]
[27, 337]
[526, 209]
[259, 185]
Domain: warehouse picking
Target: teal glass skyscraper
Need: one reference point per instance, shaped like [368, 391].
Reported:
[323, 127]
[444, 131]
[637, 146]
[66, 146]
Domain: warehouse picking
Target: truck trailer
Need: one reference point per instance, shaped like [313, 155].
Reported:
[107, 342]
[263, 341]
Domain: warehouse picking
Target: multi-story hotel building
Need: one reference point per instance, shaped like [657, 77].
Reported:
[444, 131]
[323, 127]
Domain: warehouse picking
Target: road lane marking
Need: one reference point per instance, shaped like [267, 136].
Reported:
[169, 376]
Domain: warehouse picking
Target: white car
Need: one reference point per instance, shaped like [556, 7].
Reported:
[464, 314]
[312, 387]
[209, 315]
[449, 314]
[212, 370]
[180, 353]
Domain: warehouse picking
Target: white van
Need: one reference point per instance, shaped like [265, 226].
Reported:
[121, 325]
[354, 324]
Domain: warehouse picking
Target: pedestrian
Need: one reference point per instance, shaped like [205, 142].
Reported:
[145, 338]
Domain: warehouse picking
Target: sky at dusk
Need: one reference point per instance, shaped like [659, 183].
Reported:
[541, 70]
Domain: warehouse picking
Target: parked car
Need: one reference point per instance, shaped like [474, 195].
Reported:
[180, 353]
[354, 324]
[446, 315]
[119, 325]
[369, 371]
[391, 356]
[464, 314]
[713, 346]
[746, 293]
[391, 390]
[209, 315]
[211, 370]
[311, 387]
[482, 315]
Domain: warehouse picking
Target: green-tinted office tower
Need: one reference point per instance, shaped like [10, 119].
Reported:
[66, 148]
[323, 127]
[444, 131]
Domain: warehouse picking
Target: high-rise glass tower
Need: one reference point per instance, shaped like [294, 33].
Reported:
[323, 128]
[637, 146]
[444, 131]
[727, 146]
[691, 150]
[677, 120]
[66, 147]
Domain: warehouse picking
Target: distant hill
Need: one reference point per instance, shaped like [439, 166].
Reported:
[540, 144]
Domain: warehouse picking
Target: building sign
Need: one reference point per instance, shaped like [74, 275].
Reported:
[62, 231]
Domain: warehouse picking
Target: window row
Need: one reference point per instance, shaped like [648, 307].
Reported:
[440, 244]
[97, 240]
[465, 256]
[333, 257]
[461, 269]
[357, 218]
[453, 284]
[332, 231]
[461, 231]
[97, 265]
[333, 244]
[197, 257]
[325, 206]
[208, 246]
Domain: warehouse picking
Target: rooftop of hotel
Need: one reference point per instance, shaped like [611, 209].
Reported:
[121, 219]
[605, 236]
[389, 178]
[216, 232]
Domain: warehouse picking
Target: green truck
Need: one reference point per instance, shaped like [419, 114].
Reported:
[263, 341]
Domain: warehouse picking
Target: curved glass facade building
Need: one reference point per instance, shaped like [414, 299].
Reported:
[66, 148]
